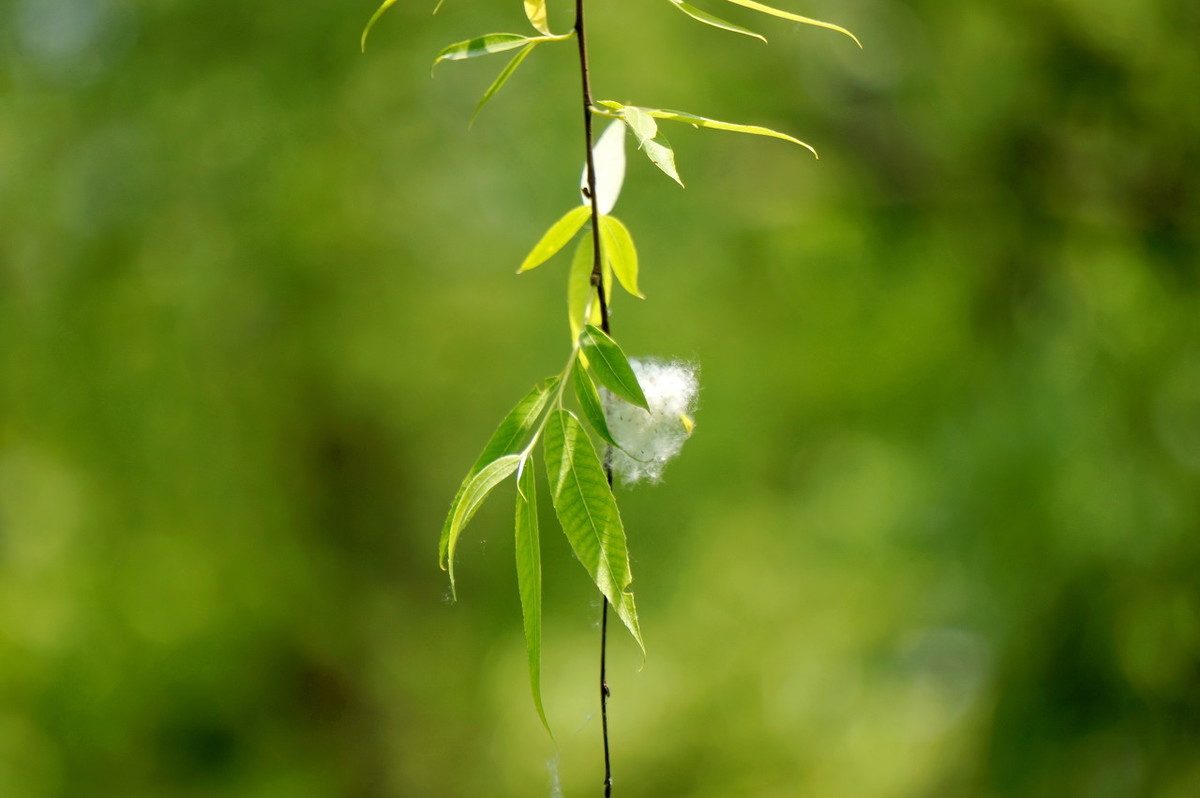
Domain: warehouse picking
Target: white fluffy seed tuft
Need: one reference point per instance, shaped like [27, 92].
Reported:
[650, 439]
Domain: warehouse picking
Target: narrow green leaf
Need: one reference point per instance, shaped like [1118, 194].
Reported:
[529, 580]
[556, 237]
[716, 22]
[535, 10]
[775, 12]
[589, 403]
[504, 75]
[481, 45]
[508, 438]
[611, 367]
[580, 292]
[700, 121]
[588, 513]
[476, 491]
[621, 254]
[384, 6]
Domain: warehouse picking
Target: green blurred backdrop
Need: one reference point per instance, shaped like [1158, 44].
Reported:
[938, 531]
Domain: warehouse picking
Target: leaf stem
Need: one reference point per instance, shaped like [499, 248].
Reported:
[598, 284]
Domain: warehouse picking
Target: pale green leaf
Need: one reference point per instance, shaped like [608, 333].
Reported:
[504, 75]
[659, 151]
[384, 6]
[620, 252]
[529, 580]
[588, 513]
[589, 403]
[650, 141]
[716, 22]
[473, 495]
[641, 123]
[608, 157]
[700, 121]
[610, 366]
[580, 291]
[556, 237]
[508, 438]
[481, 45]
[535, 10]
[775, 12]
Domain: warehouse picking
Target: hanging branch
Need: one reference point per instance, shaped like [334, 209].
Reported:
[597, 281]
[640, 433]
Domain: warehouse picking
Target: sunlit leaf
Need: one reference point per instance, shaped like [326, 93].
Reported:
[503, 77]
[535, 10]
[508, 438]
[529, 580]
[481, 45]
[473, 495]
[588, 513]
[589, 403]
[580, 291]
[620, 252]
[608, 156]
[556, 238]
[384, 6]
[714, 124]
[659, 151]
[641, 123]
[650, 141]
[709, 19]
[610, 366]
[775, 12]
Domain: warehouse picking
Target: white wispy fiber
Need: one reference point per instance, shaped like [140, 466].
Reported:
[650, 439]
[555, 783]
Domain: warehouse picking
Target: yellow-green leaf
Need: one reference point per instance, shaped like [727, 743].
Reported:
[535, 10]
[775, 12]
[716, 22]
[619, 251]
[700, 121]
[556, 238]
[587, 512]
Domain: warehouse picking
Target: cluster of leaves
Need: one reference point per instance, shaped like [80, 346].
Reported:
[580, 488]
[641, 120]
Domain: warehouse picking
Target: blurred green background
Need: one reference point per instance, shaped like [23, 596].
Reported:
[937, 533]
